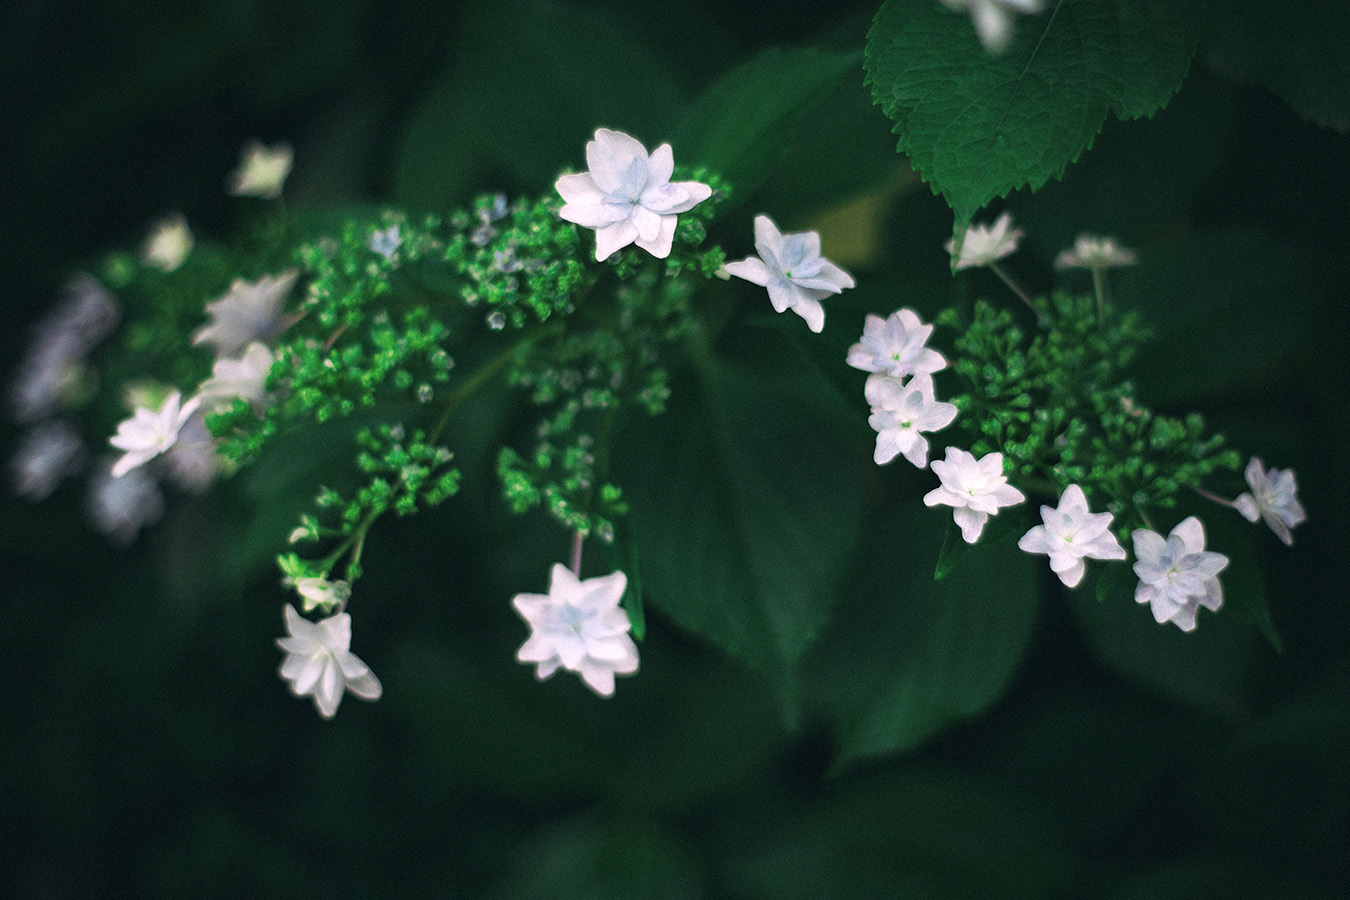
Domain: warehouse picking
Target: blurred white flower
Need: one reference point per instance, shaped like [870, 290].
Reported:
[900, 412]
[1070, 534]
[262, 170]
[1273, 497]
[121, 506]
[975, 488]
[169, 243]
[579, 626]
[984, 244]
[1177, 575]
[319, 663]
[894, 346]
[48, 452]
[52, 372]
[386, 242]
[791, 267]
[627, 196]
[993, 19]
[243, 377]
[1092, 252]
[249, 311]
[193, 460]
[148, 433]
[321, 593]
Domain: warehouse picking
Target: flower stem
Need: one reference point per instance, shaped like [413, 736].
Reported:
[1019, 291]
[577, 539]
[1103, 290]
[1215, 497]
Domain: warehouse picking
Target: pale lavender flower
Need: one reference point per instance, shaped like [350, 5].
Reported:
[975, 488]
[248, 312]
[900, 412]
[1071, 534]
[193, 462]
[1177, 575]
[1273, 497]
[47, 453]
[894, 346]
[791, 267]
[121, 506]
[319, 662]
[53, 370]
[627, 196]
[984, 244]
[148, 433]
[579, 626]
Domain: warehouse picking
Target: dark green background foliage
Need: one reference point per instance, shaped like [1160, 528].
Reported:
[815, 715]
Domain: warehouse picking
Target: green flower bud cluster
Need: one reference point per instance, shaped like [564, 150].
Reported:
[1058, 408]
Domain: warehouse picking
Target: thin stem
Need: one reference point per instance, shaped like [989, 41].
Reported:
[577, 540]
[1103, 290]
[1144, 517]
[1019, 291]
[1215, 497]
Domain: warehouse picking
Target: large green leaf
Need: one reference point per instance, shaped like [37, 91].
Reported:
[745, 510]
[978, 125]
[907, 655]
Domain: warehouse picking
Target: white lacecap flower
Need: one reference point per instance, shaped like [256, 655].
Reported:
[243, 377]
[579, 626]
[121, 506]
[47, 453]
[791, 267]
[262, 170]
[1092, 252]
[320, 593]
[53, 368]
[386, 242]
[900, 412]
[1070, 534]
[169, 243]
[993, 19]
[1273, 497]
[1176, 574]
[148, 433]
[894, 346]
[249, 311]
[319, 662]
[975, 488]
[984, 244]
[627, 196]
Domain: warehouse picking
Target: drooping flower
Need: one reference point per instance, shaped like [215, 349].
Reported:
[579, 626]
[976, 488]
[243, 377]
[386, 242]
[627, 196]
[791, 267]
[894, 346]
[1071, 534]
[900, 412]
[1273, 497]
[1177, 575]
[249, 311]
[148, 433]
[318, 661]
[48, 452]
[262, 170]
[993, 19]
[121, 506]
[1092, 252]
[984, 244]
[169, 243]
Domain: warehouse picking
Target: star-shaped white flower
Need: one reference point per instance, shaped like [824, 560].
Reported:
[262, 170]
[1093, 252]
[976, 488]
[169, 243]
[993, 19]
[318, 661]
[243, 377]
[900, 412]
[1273, 497]
[148, 433]
[791, 267]
[627, 196]
[386, 242]
[1070, 534]
[1177, 575]
[984, 244]
[894, 346]
[579, 626]
[250, 311]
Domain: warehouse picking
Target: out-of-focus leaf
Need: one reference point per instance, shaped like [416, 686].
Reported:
[978, 125]
[907, 655]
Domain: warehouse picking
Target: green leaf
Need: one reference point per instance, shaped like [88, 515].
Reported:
[747, 119]
[745, 512]
[908, 656]
[978, 125]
